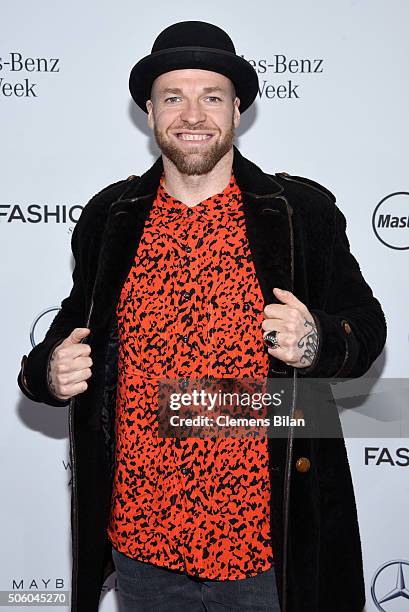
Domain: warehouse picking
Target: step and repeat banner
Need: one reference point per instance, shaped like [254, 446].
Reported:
[332, 106]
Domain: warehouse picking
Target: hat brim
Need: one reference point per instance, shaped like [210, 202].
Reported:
[234, 67]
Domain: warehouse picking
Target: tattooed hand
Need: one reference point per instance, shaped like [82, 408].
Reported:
[297, 333]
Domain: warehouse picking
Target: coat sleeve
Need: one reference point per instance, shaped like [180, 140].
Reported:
[32, 378]
[352, 327]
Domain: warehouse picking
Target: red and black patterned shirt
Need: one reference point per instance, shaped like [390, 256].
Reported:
[191, 306]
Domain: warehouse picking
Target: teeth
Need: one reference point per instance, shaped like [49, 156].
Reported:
[194, 136]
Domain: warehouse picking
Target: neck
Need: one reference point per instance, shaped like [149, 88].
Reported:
[194, 189]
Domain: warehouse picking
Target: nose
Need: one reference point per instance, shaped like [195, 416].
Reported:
[192, 112]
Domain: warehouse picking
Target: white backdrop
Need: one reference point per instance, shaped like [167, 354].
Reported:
[69, 128]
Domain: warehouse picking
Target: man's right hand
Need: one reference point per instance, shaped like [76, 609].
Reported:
[70, 364]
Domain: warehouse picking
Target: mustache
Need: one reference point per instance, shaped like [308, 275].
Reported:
[201, 128]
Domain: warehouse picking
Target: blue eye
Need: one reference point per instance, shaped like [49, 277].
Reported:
[173, 98]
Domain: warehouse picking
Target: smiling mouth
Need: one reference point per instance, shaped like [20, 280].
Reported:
[193, 137]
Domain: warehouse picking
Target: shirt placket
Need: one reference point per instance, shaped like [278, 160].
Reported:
[185, 301]
[214, 225]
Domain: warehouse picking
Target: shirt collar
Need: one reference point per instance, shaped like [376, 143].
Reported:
[213, 208]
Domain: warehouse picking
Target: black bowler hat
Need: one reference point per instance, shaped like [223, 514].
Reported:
[193, 44]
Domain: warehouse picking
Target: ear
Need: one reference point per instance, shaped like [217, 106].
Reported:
[236, 112]
[149, 108]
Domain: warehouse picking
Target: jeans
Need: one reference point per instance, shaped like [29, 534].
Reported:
[144, 587]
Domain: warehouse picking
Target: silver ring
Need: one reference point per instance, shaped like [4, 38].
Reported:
[270, 339]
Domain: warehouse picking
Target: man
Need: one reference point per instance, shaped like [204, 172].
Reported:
[207, 266]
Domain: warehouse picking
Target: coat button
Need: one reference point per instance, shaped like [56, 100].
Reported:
[303, 464]
[347, 327]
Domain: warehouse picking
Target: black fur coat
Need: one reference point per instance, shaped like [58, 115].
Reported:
[297, 237]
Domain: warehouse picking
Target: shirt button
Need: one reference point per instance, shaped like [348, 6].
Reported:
[184, 383]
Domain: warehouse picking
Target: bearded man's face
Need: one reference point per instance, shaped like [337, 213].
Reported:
[194, 114]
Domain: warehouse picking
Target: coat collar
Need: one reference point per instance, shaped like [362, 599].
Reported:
[250, 178]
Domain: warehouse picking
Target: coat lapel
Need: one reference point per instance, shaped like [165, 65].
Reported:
[268, 217]
[268, 227]
[123, 230]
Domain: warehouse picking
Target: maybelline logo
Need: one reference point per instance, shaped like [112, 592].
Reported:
[389, 585]
[398, 457]
[40, 213]
[18, 64]
[282, 65]
[35, 584]
[390, 220]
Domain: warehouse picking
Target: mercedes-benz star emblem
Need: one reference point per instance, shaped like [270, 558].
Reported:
[398, 591]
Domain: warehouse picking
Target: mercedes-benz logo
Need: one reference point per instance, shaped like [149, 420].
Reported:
[396, 592]
[37, 319]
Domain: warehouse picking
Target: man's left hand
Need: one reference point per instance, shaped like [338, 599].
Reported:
[297, 333]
